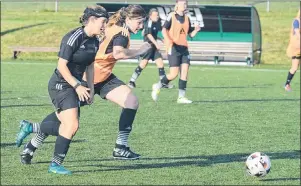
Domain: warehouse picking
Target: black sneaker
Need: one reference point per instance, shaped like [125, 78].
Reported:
[132, 84]
[124, 153]
[26, 156]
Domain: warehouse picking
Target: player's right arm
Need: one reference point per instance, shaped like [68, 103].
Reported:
[296, 28]
[67, 49]
[120, 50]
[65, 55]
[148, 34]
[166, 27]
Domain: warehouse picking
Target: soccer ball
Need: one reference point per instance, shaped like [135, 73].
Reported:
[258, 164]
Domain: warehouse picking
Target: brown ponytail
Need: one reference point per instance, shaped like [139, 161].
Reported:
[132, 12]
[118, 17]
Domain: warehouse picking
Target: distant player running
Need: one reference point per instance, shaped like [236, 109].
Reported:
[175, 31]
[151, 29]
[293, 51]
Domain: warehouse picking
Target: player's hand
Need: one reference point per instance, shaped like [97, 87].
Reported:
[157, 46]
[197, 27]
[91, 99]
[83, 93]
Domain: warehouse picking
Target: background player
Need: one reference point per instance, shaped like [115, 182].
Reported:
[150, 33]
[175, 31]
[293, 50]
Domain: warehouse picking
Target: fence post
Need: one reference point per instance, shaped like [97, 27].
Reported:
[56, 5]
[268, 5]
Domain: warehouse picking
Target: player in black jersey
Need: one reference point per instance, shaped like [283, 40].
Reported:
[76, 56]
[150, 34]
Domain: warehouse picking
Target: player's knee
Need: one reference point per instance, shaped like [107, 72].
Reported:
[131, 102]
[173, 75]
[75, 129]
[143, 64]
[294, 69]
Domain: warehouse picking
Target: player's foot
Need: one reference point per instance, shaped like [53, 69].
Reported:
[155, 92]
[58, 169]
[184, 100]
[132, 84]
[124, 153]
[288, 88]
[26, 156]
[24, 131]
[168, 86]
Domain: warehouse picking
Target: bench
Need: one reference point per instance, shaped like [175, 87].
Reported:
[215, 51]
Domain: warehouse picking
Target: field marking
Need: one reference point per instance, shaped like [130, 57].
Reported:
[133, 65]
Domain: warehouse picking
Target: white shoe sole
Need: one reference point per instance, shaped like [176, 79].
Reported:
[155, 92]
[123, 158]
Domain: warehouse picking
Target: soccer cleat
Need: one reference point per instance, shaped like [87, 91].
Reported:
[26, 156]
[124, 153]
[168, 86]
[184, 100]
[58, 169]
[288, 88]
[24, 131]
[155, 92]
[132, 84]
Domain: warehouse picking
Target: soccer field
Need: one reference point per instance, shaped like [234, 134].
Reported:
[236, 111]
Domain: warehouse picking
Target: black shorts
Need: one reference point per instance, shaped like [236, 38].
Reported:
[62, 95]
[177, 60]
[103, 88]
[153, 53]
[296, 57]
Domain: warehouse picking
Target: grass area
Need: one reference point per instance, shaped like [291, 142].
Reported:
[236, 111]
[275, 27]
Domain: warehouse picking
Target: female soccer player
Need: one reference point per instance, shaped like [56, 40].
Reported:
[293, 51]
[175, 31]
[77, 53]
[107, 85]
[150, 33]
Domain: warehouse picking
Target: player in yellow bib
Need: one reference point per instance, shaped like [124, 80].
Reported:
[293, 51]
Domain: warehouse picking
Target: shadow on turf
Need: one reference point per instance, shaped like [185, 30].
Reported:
[5, 92]
[281, 179]
[22, 28]
[3, 145]
[227, 87]
[246, 100]
[28, 105]
[202, 161]
[27, 97]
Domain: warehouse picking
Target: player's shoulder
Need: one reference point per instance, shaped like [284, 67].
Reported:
[121, 35]
[72, 36]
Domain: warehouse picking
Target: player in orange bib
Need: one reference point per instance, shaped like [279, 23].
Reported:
[175, 31]
[293, 50]
[113, 47]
